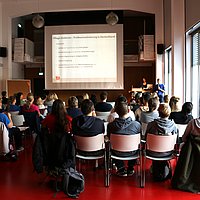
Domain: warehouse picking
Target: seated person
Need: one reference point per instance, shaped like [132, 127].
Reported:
[73, 109]
[186, 174]
[144, 107]
[58, 117]
[29, 106]
[41, 106]
[60, 146]
[152, 113]
[87, 124]
[162, 125]
[124, 125]
[103, 106]
[13, 131]
[114, 114]
[12, 107]
[174, 104]
[184, 116]
[192, 128]
[4, 99]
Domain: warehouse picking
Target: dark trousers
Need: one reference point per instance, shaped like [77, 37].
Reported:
[120, 163]
[15, 137]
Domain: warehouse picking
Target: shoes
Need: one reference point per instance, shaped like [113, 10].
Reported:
[20, 149]
[130, 172]
[121, 172]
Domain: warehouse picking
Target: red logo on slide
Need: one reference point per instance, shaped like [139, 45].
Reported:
[57, 78]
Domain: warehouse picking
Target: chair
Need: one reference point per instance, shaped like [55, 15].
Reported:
[33, 121]
[157, 144]
[89, 145]
[181, 129]
[14, 112]
[18, 120]
[4, 139]
[144, 128]
[102, 115]
[124, 143]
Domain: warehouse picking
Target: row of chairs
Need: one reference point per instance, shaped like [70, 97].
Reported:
[126, 143]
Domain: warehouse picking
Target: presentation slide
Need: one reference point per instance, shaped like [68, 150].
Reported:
[84, 57]
[78, 57]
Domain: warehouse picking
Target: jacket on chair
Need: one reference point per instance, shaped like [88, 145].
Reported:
[187, 174]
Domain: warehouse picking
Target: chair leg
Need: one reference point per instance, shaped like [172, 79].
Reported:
[107, 170]
[143, 169]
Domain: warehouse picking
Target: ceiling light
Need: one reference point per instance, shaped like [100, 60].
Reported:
[112, 18]
[38, 21]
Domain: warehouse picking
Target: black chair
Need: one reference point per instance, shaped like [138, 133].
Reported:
[33, 121]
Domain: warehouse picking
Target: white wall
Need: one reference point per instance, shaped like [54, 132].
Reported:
[17, 8]
[178, 47]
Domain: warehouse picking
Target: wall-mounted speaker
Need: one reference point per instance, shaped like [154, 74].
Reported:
[160, 48]
[3, 52]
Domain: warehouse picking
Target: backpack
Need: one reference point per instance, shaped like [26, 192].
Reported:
[73, 182]
[161, 170]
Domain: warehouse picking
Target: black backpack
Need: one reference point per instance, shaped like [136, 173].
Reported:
[73, 182]
[161, 170]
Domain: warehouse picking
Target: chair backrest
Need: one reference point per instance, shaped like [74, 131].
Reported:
[144, 128]
[92, 143]
[102, 115]
[4, 139]
[112, 103]
[18, 120]
[98, 113]
[125, 143]
[14, 112]
[32, 120]
[160, 143]
[181, 129]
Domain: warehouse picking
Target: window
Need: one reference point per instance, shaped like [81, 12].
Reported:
[168, 71]
[195, 72]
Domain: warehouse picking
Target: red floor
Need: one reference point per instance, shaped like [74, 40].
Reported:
[19, 182]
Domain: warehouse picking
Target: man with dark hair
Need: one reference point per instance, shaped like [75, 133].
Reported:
[87, 124]
[124, 125]
[4, 99]
[160, 89]
[184, 116]
[103, 106]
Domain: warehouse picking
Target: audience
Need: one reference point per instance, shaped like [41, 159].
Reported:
[174, 104]
[114, 114]
[193, 128]
[124, 125]
[166, 99]
[41, 106]
[51, 97]
[152, 113]
[14, 132]
[29, 106]
[20, 99]
[144, 107]
[87, 124]
[4, 99]
[162, 125]
[103, 106]
[73, 109]
[12, 107]
[184, 116]
[186, 174]
[58, 120]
